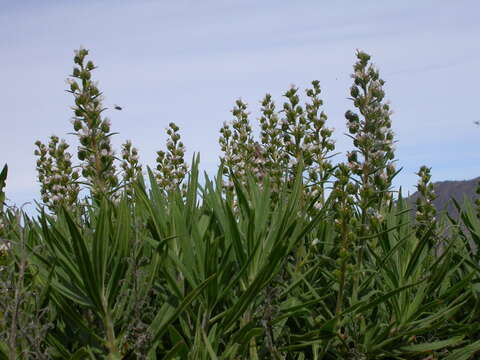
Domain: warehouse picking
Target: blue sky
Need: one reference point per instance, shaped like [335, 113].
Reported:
[187, 62]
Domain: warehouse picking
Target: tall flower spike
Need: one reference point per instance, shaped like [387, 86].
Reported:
[130, 165]
[274, 162]
[318, 145]
[242, 155]
[293, 128]
[93, 131]
[305, 137]
[3, 183]
[58, 179]
[171, 166]
[426, 212]
[373, 158]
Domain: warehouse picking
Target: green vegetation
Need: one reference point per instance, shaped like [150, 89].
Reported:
[283, 255]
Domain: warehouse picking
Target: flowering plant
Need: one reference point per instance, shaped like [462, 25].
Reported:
[57, 177]
[294, 135]
[425, 212]
[130, 165]
[372, 160]
[93, 130]
[171, 166]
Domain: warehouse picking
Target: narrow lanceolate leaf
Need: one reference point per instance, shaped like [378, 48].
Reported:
[118, 253]
[436, 345]
[101, 242]
[92, 285]
[163, 320]
[466, 352]
[3, 351]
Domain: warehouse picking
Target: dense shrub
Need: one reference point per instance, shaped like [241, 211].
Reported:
[283, 255]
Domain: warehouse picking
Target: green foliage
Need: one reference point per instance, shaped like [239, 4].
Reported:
[197, 277]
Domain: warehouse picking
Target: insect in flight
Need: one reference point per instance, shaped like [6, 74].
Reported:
[116, 107]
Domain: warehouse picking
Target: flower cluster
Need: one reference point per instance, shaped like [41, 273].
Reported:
[242, 154]
[56, 175]
[299, 135]
[305, 137]
[270, 136]
[4, 247]
[130, 165]
[373, 159]
[426, 212]
[93, 131]
[171, 166]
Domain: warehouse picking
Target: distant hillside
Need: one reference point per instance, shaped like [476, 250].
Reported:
[446, 190]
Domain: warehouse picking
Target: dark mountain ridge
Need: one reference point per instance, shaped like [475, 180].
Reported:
[446, 190]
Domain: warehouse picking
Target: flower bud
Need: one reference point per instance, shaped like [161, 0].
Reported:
[74, 86]
[77, 125]
[105, 126]
[82, 154]
[354, 91]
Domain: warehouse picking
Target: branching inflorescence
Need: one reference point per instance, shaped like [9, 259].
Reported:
[294, 136]
[306, 139]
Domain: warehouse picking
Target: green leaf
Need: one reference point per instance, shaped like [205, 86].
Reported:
[465, 353]
[436, 345]
[160, 324]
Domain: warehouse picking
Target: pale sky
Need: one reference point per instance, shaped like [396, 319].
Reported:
[187, 62]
